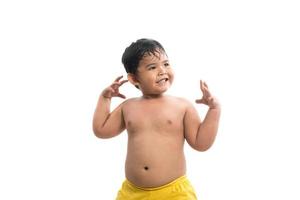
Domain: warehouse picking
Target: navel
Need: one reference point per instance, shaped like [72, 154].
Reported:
[146, 168]
[169, 121]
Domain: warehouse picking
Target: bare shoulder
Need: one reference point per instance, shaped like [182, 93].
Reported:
[181, 101]
[129, 102]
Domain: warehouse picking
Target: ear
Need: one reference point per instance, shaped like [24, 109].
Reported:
[133, 79]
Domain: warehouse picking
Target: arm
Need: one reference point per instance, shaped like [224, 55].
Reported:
[201, 135]
[208, 129]
[108, 124]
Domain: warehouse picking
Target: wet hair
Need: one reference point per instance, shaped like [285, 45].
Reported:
[134, 53]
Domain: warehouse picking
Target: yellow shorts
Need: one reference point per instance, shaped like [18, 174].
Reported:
[179, 189]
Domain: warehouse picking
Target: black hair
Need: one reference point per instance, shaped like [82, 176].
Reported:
[135, 52]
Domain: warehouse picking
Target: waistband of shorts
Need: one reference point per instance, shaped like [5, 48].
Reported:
[176, 181]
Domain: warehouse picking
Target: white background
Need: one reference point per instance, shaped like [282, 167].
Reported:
[57, 56]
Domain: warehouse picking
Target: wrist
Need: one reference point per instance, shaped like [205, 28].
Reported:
[215, 106]
[105, 96]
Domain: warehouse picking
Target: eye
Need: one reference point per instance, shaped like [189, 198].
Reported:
[151, 68]
[166, 64]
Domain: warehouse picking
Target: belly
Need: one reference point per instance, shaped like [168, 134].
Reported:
[154, 160]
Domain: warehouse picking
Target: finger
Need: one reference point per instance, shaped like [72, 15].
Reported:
[207, 92]
[118, 84]
[122, 96]
[117, 79]
[206, 86]
[115, 86]
[199, 101]
[122, 82]
[204, 83]
[201, 85]
[204, 90]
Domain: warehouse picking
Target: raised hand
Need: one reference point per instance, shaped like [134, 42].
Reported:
[113, 89]
[207, 98]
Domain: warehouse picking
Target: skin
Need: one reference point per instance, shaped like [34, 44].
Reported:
[157, 124]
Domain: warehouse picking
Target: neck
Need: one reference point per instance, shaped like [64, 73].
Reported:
[152, 96]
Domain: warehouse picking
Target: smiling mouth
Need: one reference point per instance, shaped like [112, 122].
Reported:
[162, 80]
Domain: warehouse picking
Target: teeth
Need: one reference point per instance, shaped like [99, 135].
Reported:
[163, 80]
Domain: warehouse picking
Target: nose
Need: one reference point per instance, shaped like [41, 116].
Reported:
[162, 70]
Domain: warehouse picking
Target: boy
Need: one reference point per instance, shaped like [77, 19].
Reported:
[157, 126]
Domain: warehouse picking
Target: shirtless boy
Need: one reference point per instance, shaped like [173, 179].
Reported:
[157, 125]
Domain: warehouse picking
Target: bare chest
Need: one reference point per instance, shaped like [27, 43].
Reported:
[158, 118]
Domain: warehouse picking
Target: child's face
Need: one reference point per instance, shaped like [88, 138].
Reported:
[154, 74]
